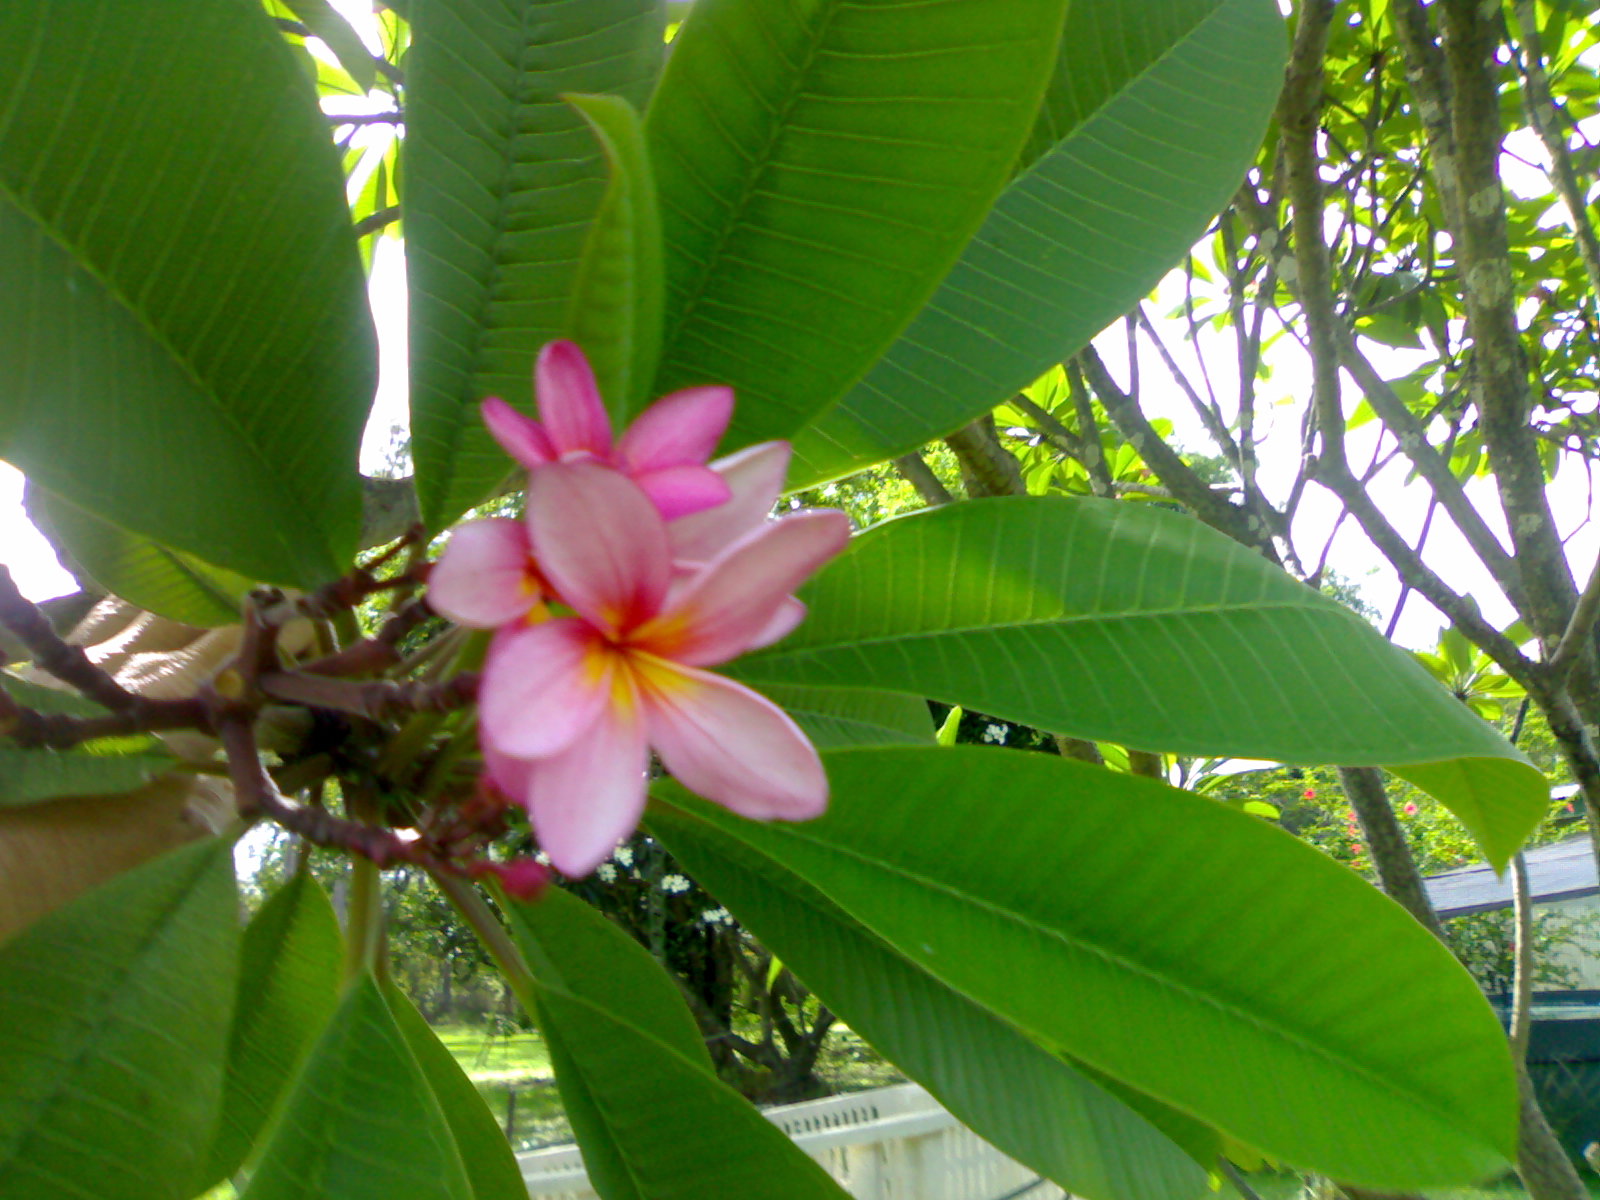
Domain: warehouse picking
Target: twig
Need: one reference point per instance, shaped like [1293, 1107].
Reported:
[59, 731]
[375, 221]
[380, 650]
[375, 699]
[1579, 628]
[67, 663]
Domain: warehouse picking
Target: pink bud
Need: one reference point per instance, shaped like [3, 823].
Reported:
[1410, 810]
[1309, 794]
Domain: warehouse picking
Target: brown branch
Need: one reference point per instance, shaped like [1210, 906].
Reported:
[375, 699]
[378, 652]
[59, 731]
[67, 663]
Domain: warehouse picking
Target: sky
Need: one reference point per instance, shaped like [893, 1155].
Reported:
[37, 573]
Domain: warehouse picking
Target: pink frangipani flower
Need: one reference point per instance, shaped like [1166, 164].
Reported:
[664, 450]
[570, 707]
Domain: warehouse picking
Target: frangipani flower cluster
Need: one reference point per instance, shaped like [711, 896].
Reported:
[638, 565]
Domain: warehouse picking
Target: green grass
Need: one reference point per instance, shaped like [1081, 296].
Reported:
[504, 1065]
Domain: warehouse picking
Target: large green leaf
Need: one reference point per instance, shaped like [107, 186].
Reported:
[485, 1153]
[138, 569]
[1199, 955]
[184, 337]
[1155, 113]
[837, 717]
[288, 990]
[1026, 1101]
[653, 1121]
[114, 1021]
[615, 313]
[502, 178]
[820, 167]
[361, 1122]
[1130, 624]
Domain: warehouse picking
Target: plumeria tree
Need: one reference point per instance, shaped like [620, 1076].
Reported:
[649, 294]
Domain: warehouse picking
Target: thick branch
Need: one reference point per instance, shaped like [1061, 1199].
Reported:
[1500, 381]
[986, 468]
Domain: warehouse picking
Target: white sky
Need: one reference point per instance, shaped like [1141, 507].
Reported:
[33, 563]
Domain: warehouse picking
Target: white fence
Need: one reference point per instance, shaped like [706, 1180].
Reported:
[893, 1143]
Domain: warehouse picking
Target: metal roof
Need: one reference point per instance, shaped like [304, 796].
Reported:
[1561, 870]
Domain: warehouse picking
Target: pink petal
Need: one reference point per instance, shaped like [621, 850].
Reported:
[737, 598]
[523, 438]
[680, 491]
[733, 746]
[569, 401]
[543, 687]
[587, 799]
[600, 543]
[786, 620]
[756, 476]
[482, 580]
[508, 774]
[677, 430]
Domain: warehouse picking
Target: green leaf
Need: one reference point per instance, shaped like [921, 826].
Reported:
[1155, 112]
[361, 1122]
[820, 167]
[288, 990]
[184, 333]
[653, 1122]
[29, 776]
[502, 179]
[115, 1009]
[325, 22]
[838, 717]
[1194, 953]
[491, 1166]
[1130, 624]
[103, 766]
[616, 297]
[139, 569]
[1028, 1102]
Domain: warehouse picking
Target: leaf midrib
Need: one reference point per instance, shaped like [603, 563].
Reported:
[1226, 610]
